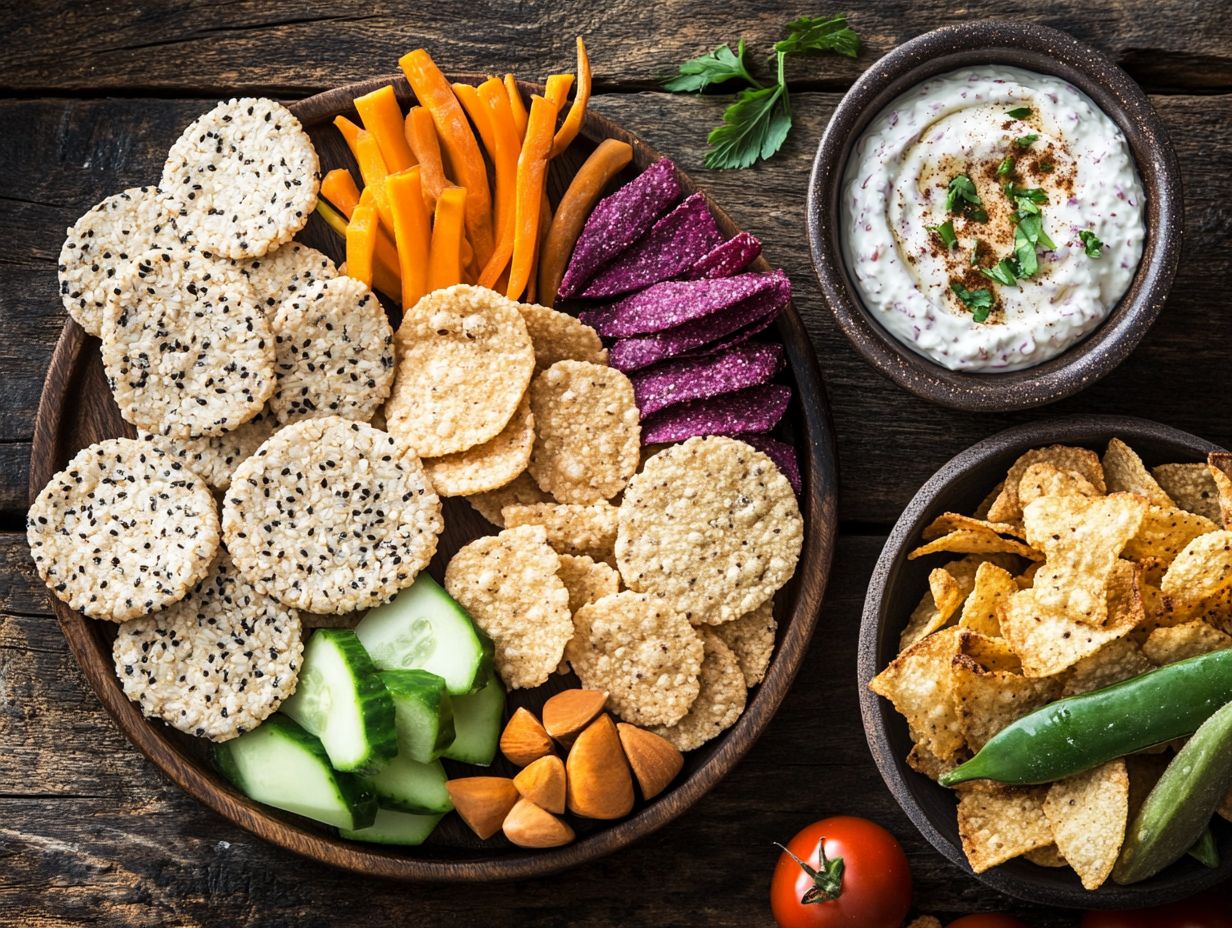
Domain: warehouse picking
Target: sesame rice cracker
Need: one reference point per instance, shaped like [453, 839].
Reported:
[99, 246]
[719, 702]
[331, 516]
[558, 336]
[586, 579]
[712, 525]
[123, 530]
[751, 639]
[571, 529]
[216, 457]
[242, 178]
[508, 584]
[186, 349]
[216, 663]
[488, 466]
[520, 491]
[334, 352]
[283, 273]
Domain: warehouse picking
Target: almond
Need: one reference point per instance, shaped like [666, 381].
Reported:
[598, 783]
[527, 825]
[543, 783]
[568, 712]
[483, 802]
[524, 740]
[655, 760]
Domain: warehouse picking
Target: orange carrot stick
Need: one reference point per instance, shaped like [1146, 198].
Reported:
[556, 90]
[360, 243]
[607, 160]
[421, 134]
[505, 150]
[545, 221]
[386, 253]
[338, 186]
[411, 232]
[532, 173]
[445, 255]
[350, 132]
[374, 171]
[381, 115]
[517, 104]
[384, 278]
[468, 96]
[573, 122]
[465, 159]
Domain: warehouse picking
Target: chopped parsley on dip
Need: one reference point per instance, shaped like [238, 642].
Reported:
[992, 218]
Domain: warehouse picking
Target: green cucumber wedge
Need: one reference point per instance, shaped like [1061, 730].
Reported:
[409, 786]
[423, 628]
[281, 765]
[340, 698]
[477, 725]
[423, 713]
[394, 827]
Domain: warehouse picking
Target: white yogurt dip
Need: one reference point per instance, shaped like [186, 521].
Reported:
[1058, 153]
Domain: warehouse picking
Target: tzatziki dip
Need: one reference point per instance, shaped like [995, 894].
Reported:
[991, 218]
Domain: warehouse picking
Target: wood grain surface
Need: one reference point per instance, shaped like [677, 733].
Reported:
[91, 95]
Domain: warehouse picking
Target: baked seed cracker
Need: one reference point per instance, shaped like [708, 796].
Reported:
[586, 579]
[572, 529]
[123, 530]
[558, 336]
[216, 663]
[331, 516]
[642, 652]
[215, 458]
[489, 466]
[284, 273]
[242, 179]
[719, 702]
[712, 525]
[187, 351]
[520, 491]
[464, 362]
[587, 431]
[98, 247]
[334, 352]
[751, 639]
[508, 584]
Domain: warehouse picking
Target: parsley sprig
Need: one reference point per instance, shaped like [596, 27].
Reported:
[1091, 243]
[980, 302]
[962, 197]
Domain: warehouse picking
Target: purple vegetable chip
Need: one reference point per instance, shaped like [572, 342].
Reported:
[736, 338]
[673, 303]
[619, 220]
[728, 259]
[757, 409]
[781, 453]
[699, 378]
[678, 240]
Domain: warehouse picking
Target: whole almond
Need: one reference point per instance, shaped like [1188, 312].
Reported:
[655, 760]
[543, 783]
[483, 802]
[527, 825]
[569, 711]
[524, 741]
[599, 784]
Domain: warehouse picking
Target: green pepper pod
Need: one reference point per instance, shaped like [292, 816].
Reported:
[1080, 732]
[1205, 851]
[1181, 803]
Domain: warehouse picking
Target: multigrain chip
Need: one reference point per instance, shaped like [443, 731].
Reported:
[1081, 461]
[586, 579]
[731, 257]
[1201, 574]
[123, 530]
[781, 453]
[919, 684]
[488, 466]
[1191, 486]
[998, 823]
[285, 273]
[1126, 473]
[560, 337]
[1088, 814]
[720, 698]
[751, 639]
[508, 583]
[988, 700]
[1189, 639]
[675, 303]
[756, 409]
[571, 529]
[520, 491]
[712, 525]
[331, 516]
[464, 362]
[642, 652]
[982, 610]
[215, 458]
[1165, 532]
[704, 377]
[1044, 479]
[1116, 661]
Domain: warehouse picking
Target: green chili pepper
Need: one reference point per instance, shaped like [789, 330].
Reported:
[1205, 851]
[1080, 732]
[1181, 803]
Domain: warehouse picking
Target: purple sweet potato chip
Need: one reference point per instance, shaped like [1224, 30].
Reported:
[727, 259]
[619, 220]
[690, 379]
[671, 247]
[781, 453]
[673, 303]
[757, 409]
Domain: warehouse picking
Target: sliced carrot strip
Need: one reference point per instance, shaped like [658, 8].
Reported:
[421, 134]
[384, 277]
[381, 115]
[373, 170]
[545, 221]
[532, 175]
[386, 253]
[517, 104]
[338, 186]
[411, 232]
[361, 243]
[556, 90]
[468, 96]
[506, 147]
[573, 122]
[350, 132]
[607, 160]
[465, 159]
[445, 255]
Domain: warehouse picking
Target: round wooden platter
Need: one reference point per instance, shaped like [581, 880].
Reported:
[76, 409]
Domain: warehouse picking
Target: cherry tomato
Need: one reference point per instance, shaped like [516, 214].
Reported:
[1209, 910]
[841, 871]
[987, 921]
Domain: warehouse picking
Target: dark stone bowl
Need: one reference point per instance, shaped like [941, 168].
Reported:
[1036, 48]
[897, 585]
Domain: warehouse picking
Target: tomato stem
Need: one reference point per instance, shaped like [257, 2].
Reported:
[827, 876]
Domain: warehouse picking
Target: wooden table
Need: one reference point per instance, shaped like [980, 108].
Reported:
[91, 95]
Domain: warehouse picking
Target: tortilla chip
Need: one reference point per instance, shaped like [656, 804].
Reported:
[1044, 479]
[924, 761]
[945, 594]
[1164, 533]
[981, 511]
[1192, 486]
[989, 700]
[975, 541]
[1026, 579]
[998, 823]
[1219, 464]
[1126, 473]
[1167, 645]
[990, 653]
[1200, 575]
[949, 522]
[1088, 814]
[919, 684]
[1048, 856]
[1116, 661]
[993, 587]
[1081, 461]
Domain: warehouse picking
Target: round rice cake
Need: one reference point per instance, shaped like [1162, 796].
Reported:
[558, 336]
[331, 516]
[98, 247]
[642, 652]
[242, 179]
[216, 663]
[520, 491]
[215, 458]
[285, 272]
[586, 579]
[334, 353]
[571, 528]
[751, 639]
[124, 530]
[508, 583]
[720, 699]
[588, 432]
[488, 466]
[187, 351]
[712, 525]
[464, 362]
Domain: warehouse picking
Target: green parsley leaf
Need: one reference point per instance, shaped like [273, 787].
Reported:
[1019, 112]
[755, 126]
[819, 34]
[1004, 272]
[1033, 194]
[717, 67]
[1091, 243]
[1026, 141]
[1006, 166]
[1024, 250]
[1045, 167]
[980, 302]
[960, 192]
[945, 232]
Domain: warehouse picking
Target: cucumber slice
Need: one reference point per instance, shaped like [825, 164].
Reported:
[423, 713]
[409, 786]
[340, 698]
[423, 628]
[394, 827]
[477, 725]
[280, 764]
